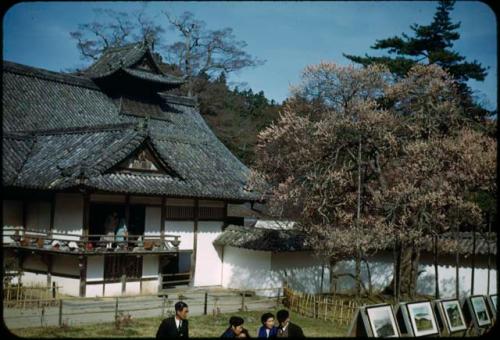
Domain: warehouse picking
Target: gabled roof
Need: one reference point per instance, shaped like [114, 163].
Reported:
[61, 131]
[124, 58]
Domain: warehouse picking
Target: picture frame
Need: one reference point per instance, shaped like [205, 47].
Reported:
[422, 318]
[453, 315]
[382, 321]
[493, 302]
[480, 310]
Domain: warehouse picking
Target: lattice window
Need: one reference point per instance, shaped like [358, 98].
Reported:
[176, 213]
[211, 213]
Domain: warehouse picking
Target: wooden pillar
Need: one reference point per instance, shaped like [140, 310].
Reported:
[25, 214]
[127, 210]
[489, 253]
[195, 241]
[49, 270]
[436, 268]
[225, 216]
[82, 264]
[86, 213]
[457, 264]
[52, 213]
[473, 264]
[163, 217]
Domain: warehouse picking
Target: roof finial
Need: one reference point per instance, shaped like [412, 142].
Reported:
[149, 40]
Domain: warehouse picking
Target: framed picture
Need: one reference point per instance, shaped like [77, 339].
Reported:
[480, 310]
[382, 321]
[453, 315]
[493, 299]
[422, 318]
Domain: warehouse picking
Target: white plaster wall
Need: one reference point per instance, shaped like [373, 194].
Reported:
[133, 288]
[67, 285]
[93, 290]
[150, 287]
[150, 266]
[38, 215]
[247, 269]
[113, 289]
[447, 276]
[382, 267]
[68, 215]
[184, 229]
[152, 221]
[208, 258]
[12, 213]
[301, 270]
[65, 264]
[95, 268]
[34, 279]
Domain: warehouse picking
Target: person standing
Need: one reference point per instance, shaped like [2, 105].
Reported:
[175, 326]
[268, 330]
[287, 329]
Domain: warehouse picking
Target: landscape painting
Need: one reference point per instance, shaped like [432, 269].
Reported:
[480, 310]
[493, 299]
[382, 321]
[422, 318]
[454, 316]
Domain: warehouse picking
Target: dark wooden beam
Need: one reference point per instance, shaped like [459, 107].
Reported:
[25, 213]
[86, 213]
[82, 264]
[127, 210]
[163, 217]
[195, 241]
[52, 213]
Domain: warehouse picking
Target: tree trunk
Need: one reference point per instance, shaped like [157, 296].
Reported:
[405, 279]
[333, 280]
[358, 216]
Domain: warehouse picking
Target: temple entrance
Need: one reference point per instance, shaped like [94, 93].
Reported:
[100, 215]
[175, 270]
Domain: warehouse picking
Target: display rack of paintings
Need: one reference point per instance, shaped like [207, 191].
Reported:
[450, 316]
[422, 319]
[476, 313]
[492, 304]
[375, 321]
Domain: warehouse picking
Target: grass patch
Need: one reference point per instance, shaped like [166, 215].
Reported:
[199, 326]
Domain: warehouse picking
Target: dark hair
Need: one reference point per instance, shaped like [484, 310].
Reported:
[236, 321]
[265, 317]
[179, 306]
[282, 315]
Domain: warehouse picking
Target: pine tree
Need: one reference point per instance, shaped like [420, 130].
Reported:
[431, 44]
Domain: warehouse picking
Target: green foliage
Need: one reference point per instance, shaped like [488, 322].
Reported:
[235, 116]
[431, 44]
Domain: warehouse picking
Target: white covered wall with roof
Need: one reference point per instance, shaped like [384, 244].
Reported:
[262, 270]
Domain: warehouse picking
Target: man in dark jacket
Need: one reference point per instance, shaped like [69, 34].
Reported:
[287, 329]
[175, 326]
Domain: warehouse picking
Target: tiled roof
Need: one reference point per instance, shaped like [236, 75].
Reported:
[61, 131]
[280, 240]
[165, 79]
[123, 58]
[262, 239]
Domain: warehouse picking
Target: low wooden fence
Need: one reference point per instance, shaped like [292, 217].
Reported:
[19, 296]
[326, 307]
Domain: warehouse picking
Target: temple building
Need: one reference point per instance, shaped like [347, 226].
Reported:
[85, 154]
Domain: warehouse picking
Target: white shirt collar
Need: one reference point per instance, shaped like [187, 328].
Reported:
[178, 322]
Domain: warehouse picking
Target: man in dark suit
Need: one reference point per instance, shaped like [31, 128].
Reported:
[175, 326]
[287, 329]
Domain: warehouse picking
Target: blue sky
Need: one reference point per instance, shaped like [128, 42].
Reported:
[288, 35]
